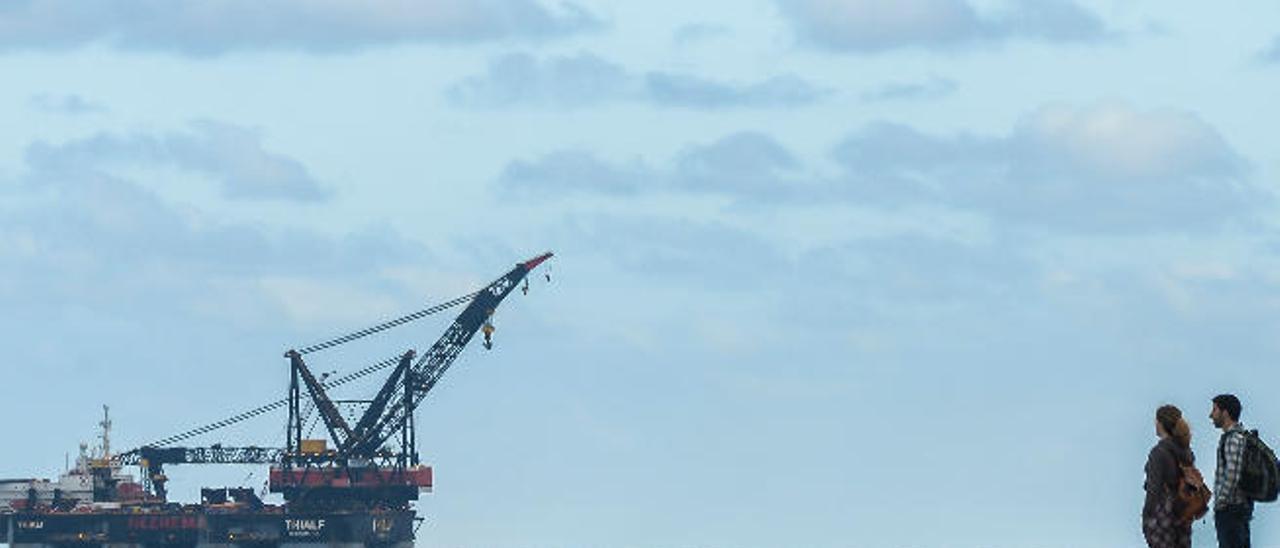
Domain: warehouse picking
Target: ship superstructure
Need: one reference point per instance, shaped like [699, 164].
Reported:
[96, 477]
[355, 487]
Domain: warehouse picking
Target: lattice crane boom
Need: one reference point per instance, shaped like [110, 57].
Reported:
[433, 363]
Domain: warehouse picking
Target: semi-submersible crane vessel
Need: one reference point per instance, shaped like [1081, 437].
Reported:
[357, 487]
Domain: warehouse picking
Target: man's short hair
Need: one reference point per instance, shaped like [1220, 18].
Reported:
[1228, 403]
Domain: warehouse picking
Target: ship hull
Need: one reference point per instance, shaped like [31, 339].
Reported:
[208, 529]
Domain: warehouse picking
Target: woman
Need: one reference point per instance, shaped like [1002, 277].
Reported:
[1160, 524]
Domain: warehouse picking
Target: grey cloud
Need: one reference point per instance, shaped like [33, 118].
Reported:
[120, 225]
[1053, 21]
[870, 26]
[573, 171]
[924, 274]
[678, 251]
[65, 104]
[747, 163]
[932, 88]
[1185, 320]
[100, 259]
[893, 163]
[585, 79]
[247, 170]
[232, 155]
[1105, 168]
[1272, 54]
[235, 25]
[78, 229]
[691, 91]
[567, 81]
[885, 279]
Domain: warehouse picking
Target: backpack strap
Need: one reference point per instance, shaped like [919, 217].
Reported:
[1247, 436]
[1222, 441]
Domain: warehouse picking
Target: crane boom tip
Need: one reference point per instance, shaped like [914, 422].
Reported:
[534, 262]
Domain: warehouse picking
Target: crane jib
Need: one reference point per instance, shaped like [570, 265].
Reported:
[371, 432]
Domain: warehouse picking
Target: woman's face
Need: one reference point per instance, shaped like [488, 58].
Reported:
[1160, 433]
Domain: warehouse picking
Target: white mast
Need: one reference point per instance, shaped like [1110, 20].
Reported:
[106, 432]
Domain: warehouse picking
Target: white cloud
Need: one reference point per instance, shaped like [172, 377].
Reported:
[1116, 142]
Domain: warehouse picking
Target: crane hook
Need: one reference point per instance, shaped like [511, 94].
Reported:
[488, 330]
[525, 289]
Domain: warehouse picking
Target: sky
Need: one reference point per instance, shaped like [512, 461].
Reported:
[828, 273]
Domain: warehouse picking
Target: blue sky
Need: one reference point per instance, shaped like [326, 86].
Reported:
[830, 273]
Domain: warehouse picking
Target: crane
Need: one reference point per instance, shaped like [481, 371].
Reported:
[359, 469]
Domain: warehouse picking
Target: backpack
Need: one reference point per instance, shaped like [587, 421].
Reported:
[1259, 475]
[1192, 495]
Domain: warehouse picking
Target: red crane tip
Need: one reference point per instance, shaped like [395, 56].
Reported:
[534, 262]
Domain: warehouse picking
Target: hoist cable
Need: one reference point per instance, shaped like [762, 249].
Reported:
[387, 325]
[270, 406]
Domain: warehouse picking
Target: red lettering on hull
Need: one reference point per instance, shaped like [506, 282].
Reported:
[154, 523]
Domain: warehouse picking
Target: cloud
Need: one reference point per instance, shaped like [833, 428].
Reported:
[933, 88]
[902, 279]
[1103, 168]
[904, 274]
[893, 163]
[585, 80]
[746, 162]
[1272, 54]
[65, 104]
[573, 172]
[1053, 21]
[232, 155]
[329, 26]
[676, 251]
[69, 230]
[684, 90]
[866, 26]
[749, 162]
[1108, 167]
[1114, 142]
[565, 81]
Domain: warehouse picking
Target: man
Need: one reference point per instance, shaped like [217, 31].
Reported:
[1231, 510]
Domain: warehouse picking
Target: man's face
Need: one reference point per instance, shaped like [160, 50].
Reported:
[1217, 415]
